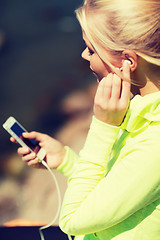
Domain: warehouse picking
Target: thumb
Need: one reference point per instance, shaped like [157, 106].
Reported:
[34, 135]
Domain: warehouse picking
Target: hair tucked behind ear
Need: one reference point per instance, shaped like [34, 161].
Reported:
[117, 25]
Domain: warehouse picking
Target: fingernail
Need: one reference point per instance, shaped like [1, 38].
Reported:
[26, 150]
[24, 133]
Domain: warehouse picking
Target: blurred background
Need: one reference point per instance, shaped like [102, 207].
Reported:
[47, 87]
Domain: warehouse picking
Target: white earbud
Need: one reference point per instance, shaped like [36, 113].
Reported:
[121, 69]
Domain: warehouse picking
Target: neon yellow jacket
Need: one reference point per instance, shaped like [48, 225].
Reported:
[114, 186]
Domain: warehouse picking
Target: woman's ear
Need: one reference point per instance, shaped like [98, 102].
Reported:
[132, 57]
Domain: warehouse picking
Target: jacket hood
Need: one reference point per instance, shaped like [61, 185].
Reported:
[142, 111]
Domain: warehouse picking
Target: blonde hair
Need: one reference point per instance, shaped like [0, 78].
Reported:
[117, 25]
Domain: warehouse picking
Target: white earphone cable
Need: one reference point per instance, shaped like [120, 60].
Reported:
[59, 201]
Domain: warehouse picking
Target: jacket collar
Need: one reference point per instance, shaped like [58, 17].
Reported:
[142, 111]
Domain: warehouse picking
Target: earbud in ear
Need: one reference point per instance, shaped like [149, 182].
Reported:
[128, 61]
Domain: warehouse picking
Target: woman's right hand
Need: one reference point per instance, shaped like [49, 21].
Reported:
[113, 97]
[55, 151]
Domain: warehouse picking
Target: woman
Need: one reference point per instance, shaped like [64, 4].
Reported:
[114, 185]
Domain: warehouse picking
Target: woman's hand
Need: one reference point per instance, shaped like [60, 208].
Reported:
[112, 97]
[55, 151]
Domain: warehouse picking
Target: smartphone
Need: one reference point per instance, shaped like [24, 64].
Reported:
[15, 129]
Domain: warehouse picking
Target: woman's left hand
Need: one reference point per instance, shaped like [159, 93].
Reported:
[112, 97]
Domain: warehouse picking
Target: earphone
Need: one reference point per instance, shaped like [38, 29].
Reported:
[59, 202]
[129, 62]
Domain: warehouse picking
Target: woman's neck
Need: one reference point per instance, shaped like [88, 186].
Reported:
[150, 87]
[147, 78]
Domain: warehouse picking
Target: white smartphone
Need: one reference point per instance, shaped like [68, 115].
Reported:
[15, 129]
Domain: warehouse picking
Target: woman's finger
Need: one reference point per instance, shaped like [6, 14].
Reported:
[29, 157]
[107, 88]
[34, 135]
[104, 89]
[23, 151]
[34, 162]
[116, 88]
[126, 82]
[13, 140]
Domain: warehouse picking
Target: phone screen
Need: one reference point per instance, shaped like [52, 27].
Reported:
[18, 130]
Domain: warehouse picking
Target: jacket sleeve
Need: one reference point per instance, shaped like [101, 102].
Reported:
[93, 202]
[69, 162]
